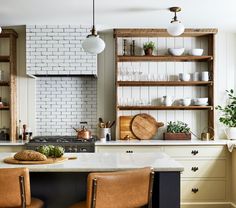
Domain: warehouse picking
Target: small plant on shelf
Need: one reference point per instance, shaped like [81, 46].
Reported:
[177, 131]
[228, 116]
[148, 48]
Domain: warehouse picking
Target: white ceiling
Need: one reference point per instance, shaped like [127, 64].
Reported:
[120, 13]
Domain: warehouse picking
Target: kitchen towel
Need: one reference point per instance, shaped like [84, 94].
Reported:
[231, 144]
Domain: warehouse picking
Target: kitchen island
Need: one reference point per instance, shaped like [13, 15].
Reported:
[64, 183]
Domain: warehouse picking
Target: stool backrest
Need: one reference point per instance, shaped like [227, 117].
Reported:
[11, 189]
[122, 189]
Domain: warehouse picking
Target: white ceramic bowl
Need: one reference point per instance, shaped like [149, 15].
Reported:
[200, 101]
[184, 77]
[196, 52]
[176, 51]
[185, 101]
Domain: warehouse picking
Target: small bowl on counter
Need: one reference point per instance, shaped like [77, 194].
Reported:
[176, 51]
[196, 52]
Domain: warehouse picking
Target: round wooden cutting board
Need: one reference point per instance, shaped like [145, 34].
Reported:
[144, 126]
[11, 160]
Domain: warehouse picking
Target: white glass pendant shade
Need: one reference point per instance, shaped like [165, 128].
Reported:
[0, 30]
[175, 28]
[93, 44]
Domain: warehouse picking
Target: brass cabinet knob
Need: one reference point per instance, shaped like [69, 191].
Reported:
[194, 169]
[195, 190]
[194, 152]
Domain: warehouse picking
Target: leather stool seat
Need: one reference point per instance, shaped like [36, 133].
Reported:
[15, 187]
[121, 189]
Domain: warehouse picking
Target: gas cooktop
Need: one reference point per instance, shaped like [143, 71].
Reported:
[60, 139]
[69, 143]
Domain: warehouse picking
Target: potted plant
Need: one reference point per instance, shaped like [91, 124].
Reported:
[177, 131]
[228, 116]
[148, 48]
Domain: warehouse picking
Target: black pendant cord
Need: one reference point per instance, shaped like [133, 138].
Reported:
[93, 12]
[93, 31]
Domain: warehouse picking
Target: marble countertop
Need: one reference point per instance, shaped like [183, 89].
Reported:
[88, 162]
[160, 142]
[12, 143]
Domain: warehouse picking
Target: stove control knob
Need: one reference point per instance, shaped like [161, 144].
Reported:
[75, 149]
[83, 150]
[69, 149]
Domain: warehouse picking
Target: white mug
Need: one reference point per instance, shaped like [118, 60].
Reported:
[205, 76]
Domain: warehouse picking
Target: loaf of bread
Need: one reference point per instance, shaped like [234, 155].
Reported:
[29, 155]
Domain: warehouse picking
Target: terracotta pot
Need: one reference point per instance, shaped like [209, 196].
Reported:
[148, 52]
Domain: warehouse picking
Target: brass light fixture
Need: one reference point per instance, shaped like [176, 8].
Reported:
[175, 28]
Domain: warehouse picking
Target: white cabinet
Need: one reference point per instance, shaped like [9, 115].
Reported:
[205, 179]
[128, 149]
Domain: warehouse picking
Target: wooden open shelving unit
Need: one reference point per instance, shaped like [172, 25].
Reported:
[11, 83]
[150, 107]
[166, 58]
[209, 34]
[163, 83]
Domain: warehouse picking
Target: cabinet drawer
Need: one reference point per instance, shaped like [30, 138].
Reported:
[128, 149]
[196, 151]
[204, 168]
[202, 190]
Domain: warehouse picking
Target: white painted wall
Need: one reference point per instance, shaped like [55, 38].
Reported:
[225, 78]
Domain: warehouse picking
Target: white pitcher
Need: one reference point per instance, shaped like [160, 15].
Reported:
[167, 100]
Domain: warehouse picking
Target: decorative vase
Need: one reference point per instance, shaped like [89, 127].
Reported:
[231, 133]
[148, 52]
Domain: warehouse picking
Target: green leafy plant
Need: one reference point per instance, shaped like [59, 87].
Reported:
[148, 45]
[177, 127]
[228, 116]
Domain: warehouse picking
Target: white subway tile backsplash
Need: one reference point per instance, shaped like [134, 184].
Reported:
[54, 44]
[62, 102]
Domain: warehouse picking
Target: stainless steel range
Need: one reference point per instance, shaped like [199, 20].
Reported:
[69, 143]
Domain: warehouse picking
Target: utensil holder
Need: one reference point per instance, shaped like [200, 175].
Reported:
[105, 133]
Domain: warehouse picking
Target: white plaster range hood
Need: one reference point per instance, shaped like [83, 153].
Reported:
[55, 50]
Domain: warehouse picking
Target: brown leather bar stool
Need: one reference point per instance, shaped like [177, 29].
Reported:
[15, 189]
[121, 189]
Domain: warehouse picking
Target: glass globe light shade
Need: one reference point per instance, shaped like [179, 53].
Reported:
[175, 28]
[0, 30]
[93, 44]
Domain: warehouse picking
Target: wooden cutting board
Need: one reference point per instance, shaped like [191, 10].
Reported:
[11, 160]
[125, 127]
[144, 126]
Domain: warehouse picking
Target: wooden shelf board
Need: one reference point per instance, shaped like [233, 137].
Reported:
[137, 32]
[167, 58]
[4, 83]
[6, 33]
[165, 107]
[4, 58]
[163, 83]
[5, 108]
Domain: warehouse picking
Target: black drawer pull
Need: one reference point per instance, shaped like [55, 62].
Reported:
[195, 190]
[194, 152]
[194, 169]
[129, 151]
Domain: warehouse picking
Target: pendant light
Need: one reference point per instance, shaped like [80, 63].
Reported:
[175, 28]
[93, 44]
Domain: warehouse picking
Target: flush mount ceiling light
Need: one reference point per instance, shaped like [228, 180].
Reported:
[175, 28]
[93, 44]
